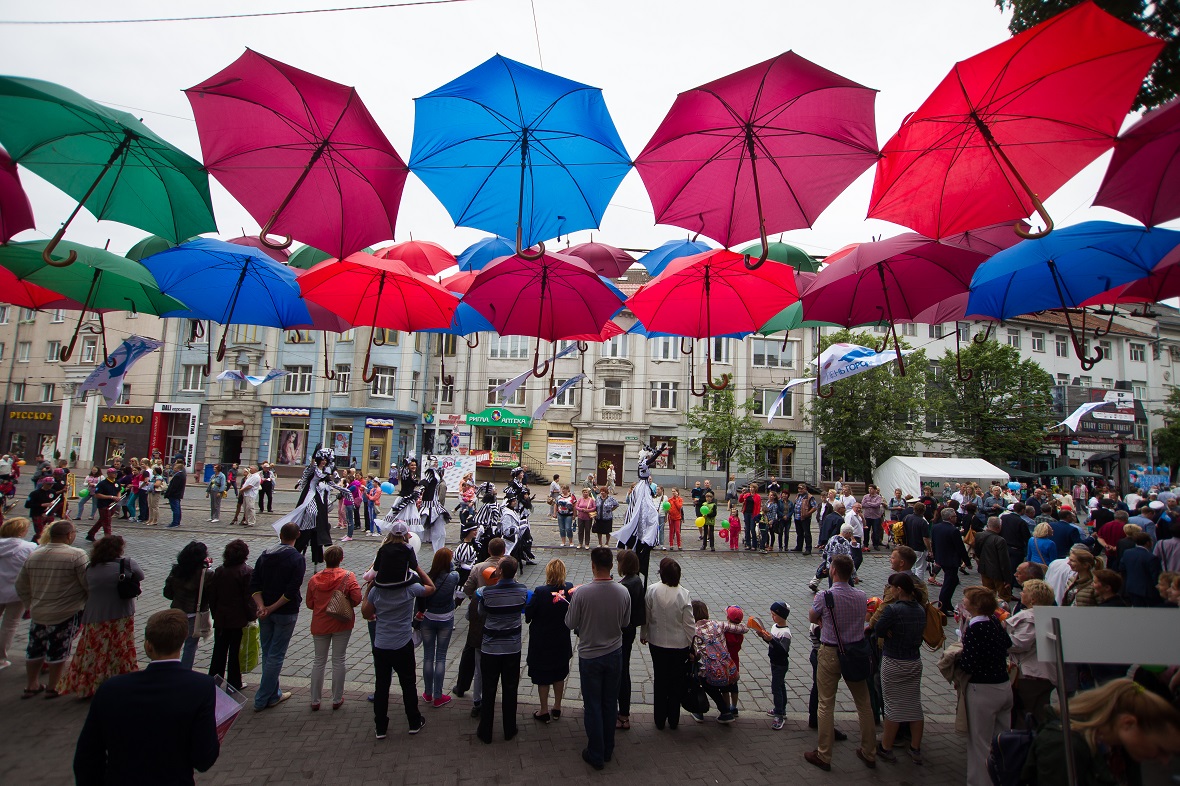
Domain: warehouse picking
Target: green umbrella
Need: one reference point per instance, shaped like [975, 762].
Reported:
[307, 257]
[786, 254]
[152, 244]
[789, 318]
[100, 281]
[1067, 472]
[113, 164]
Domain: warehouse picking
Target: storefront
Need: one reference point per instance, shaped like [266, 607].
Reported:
[340, 438]
[29, 431]
[123, 433]
[290, 432]
[386, 441]
[173, 433]
[443, 435]
[498, 436]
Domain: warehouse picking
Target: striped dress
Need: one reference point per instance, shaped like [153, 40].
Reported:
[901, 624]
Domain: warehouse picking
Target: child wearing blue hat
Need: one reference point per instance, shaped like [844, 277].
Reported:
[779, 639]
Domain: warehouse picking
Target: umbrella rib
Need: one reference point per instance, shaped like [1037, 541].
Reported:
[487, 178]
[684, 186]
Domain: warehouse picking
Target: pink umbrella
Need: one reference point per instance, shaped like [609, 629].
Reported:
[302, 154]
[606, 260]
[1163, 283]
[1143, 179]
[459, 282]
[280, 255]
[760, 151]
[421, 255]
[16, 214]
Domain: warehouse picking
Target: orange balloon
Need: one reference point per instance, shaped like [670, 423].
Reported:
[489, 576]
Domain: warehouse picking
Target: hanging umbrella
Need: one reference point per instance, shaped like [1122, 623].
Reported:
[280, 255]
[419, 255]
[514, 150]
[762, 150]
[1067, 268]
[1143, 178]
[308, 257]
[459, 282]
[1009, 126]
[381, 293]
[99, 281]
[16, 214]
[1162, 284]
[106, 159]
[302, 154]
[481, 252]
[785, 253]
[713, 294]
[26, 294]
[152, 244]
[550, 298]
[663, 255]
[792, 317]
[607, 261]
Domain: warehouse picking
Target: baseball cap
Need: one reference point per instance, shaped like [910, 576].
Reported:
[734, 614]
[399, 528]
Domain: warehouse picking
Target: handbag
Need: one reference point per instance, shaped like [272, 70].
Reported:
[695, 699]
[203, 624]
[127, 585]
[339, 605]
[250, 651]
[856, 663]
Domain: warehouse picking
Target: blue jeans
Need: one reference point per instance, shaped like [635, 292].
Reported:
[370, 515]
[600, 696]
[660, 530]
[175, 505]
[436, 638]
[188, 655]
[565, 526]
[778, 689]
[82, 506]
[274, 631]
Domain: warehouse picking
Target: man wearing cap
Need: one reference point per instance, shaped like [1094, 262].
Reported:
[40, 504]
[107, 494]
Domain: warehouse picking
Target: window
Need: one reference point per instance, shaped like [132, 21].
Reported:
[59, 316]
[52, 351]
[1141, 432]
[764, 400]
[615, 348]
[1139, 390]
[664, 395]
[299, 337]
[196, 331]
[562, 346]
[245, 334]
[1107, 352]
[935, 331]
[193, 377]
[89, 350]
[665, 348]
[1060, 346]
[3, 315]
[27, 315]
[508, 348]
[298, 379]
[770, 353]
[125, 395]
[566, 397]
[1107, 383]
[613, 393]
[384, 383]
[908, 329]
[1014, 338]
[288, 440]
[516, 400]
[497, 440]
[418, 341]
[443, 394]
[880, 327]
[23, 350]
[721, 349]
[18, 391]
[343, 379]
[1038, 342]
[1086, 382]
[1, 350]
[346, 336]
[446, 345]
[1138, 353]
[667, 459]
[392, 337]
[1063, 379]
[47, 391]
[415, 377]
[964, 329]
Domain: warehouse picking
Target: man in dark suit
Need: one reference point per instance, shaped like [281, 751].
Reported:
[1014, 530]
[949, 553]
[175, 493]
[152, 726]
[1140, 570]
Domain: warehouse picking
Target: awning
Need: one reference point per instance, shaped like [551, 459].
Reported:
[228, 425]
[1108, 456]
[298, 412]
[381, 423]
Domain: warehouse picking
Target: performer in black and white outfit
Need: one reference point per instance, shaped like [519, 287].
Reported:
[519, 489]
[433, 514]
[641, 529]
[311, 513]
[405, 506]
[514, 528]
[487, 519]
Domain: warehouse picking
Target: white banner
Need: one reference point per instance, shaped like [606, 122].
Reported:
[1076, 416]
[840, 361]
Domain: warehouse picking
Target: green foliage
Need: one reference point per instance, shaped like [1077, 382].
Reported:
[1001, 413]
[1160, 19]
[726, 428]
[1167, 439]
[871, 416]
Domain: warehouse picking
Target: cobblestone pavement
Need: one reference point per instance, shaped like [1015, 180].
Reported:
[337, 747]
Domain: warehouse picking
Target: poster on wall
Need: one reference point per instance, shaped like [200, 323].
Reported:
[559, 451]
[453, 468]
[1144, 477]
[291, 446]
[341, 443]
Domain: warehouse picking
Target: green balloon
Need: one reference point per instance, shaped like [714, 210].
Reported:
[706, 509]
[666, 506]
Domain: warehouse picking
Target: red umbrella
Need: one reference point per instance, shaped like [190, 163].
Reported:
[1011, 125]
[459, 282]
[760, 151]
[1163, 283]
[18, 292]
[381, 293]
[280, 255]
[419, 255]
[713, 294]
[551, 298]
[16, 214]
[606, 260]
[302, 154]
[1143, 179]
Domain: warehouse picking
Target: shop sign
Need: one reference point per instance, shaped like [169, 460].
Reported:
[137, 419]
[30, 416]
[495, 416]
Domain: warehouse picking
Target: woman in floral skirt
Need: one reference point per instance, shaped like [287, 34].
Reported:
[106, 646]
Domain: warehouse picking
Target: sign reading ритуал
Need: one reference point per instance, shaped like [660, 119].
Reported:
[495, 416]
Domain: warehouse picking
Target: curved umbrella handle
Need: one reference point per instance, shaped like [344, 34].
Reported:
[46, 252]
[208, 355]
[443, 376]
[583, 347]
[981, 338]
[329, 372]
[723, 385]
[472, 344]
[367, 374]
[373, 337]
[221, 346]
[262, 235]
[198, 329]
[1043, 213]
[66, 352]
[820, 391]
[1100, 332]
[746, 258]
[543, 370]
[106, 355]
[959, 362]
[525, 253]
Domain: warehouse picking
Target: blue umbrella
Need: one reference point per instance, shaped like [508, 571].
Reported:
[514, 150]
[1064, 269]
[638, 329]
[481, 252]
[465, 322]
[658, 258]
[229, 284]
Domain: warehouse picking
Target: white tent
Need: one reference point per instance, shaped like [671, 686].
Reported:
[909, 473]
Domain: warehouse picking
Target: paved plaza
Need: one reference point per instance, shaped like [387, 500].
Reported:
[291, 744]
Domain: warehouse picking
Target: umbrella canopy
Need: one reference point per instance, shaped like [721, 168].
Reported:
[792, 317]
[26, 294]
[308, 257]
[301, 153]
[762, 150]
[517, 151]
[421, 256]
[459, 282]
[663, 255]
[1011, 125]
[114, 165]
[1067, 472]
[784, 253]
[481, 252]
[465, 322]
[280, 255]
[1163, 283]
[607, 261]
[1143, 179]
[152, 244]
[325, 320]
[16, 214]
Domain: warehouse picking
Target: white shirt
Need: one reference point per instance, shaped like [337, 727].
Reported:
[1133, 501]
[848, 501]
[251, 485]
[857, 523]
[1058, 576]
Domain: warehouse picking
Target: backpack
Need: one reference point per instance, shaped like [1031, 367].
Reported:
[934, 634]
[1008, 753]
[716, 666]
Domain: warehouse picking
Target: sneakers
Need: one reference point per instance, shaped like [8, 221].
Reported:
[441, 701]
[726, 717]
[417, 727]
[916, 756]
[886, 755]
[777, 723]
[426, 697]
[381, 735]
[216, 521]
[698, 717]
[346, 540]
[475, 709]
[813, 585]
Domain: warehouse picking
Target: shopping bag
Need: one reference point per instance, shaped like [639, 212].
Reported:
[250, 652]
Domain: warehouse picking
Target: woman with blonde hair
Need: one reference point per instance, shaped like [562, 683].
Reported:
[550, 649]
[1042, 549]
[15, 548]
[1080, 591]
[1037, 678]
[1115, 728]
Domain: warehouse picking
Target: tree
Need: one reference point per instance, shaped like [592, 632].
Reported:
[871, 416]
[1160, 19]
[1167, 439]
[725, 427]
[1001, 413]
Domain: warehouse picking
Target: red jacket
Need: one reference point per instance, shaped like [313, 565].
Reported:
[319, 591]
[676, 512]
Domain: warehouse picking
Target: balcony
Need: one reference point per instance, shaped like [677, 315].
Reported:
[610, 415]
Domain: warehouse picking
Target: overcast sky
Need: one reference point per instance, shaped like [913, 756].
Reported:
[640, 52]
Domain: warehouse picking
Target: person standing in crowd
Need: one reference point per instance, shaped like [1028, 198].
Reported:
[900, 625]
[989, 696]
[186, 588]
[275, 586]
[232, 610]
[604, 514]
[437, 625]
[676, 520]
[731, 489]
[155, 492]
[142, 489]
[1014, 530]
[106, 646]
[40, 504]
[107, 495]
[949, 554]
[775, 514]
[993, 560]
[598, 613]
[550, 648]
[628, 563]
[779, 639]
[1036, 678]
[215, 490]
[1041, 547]
[266, 489]
[847, 616]
[751, 503]
[662, 518]
[554, 493]
[501, 606]
[175, 492]
[1167, 549]
[668, 630]
[151, 726]
[15, 548]
[917, 536]
[470, 675]
[564, 504]
[52, 584]
[248, 496]
[708, 532]
[1080, 589]
[1140, 570]
[873, 509]
[329, 631]
[802, 510]
[373, 504]
[586, 509]
[92, 479]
